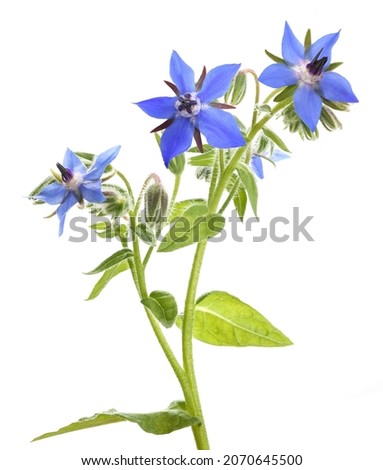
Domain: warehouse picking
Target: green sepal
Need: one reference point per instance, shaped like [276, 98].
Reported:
[108, 275]
[163, 306]
[177, 164]
[285, 93]
[274, 57]
[161, 422]
[224, 320]
[337, 105]
[250, 184]
[307, 41]
[328, 119]
[333, 66]
[275, 138]
[109, 262]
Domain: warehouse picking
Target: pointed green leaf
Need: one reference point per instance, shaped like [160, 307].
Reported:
[116, 258]
[163, 306]
[240, 202]
[146, 234]
[108, 275]
[162, 422]
[205, 159]
[248, 180]
[274, 57]
[223, 320]
[275, 138]
[285, 93]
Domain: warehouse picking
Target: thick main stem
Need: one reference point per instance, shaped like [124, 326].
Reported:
[194, 405]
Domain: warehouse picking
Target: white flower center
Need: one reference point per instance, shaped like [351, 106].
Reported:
[188, 105]
[74, 182]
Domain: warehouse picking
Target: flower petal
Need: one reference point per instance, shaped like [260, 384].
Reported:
[176, 138]
[257, 166]
[54, 193]
[91, 191]
[279, 155]
[182, 74]
[308, 105]
[334, 87]
[326, 43]
[217, 82]
[162, 107]
[101, 162]
[278, 75]
[292, 50]
[69, 201]
[73, 162]
[220, 128]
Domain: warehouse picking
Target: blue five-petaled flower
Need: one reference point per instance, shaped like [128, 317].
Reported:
[193, 110]
[78, 183]
[308, 70]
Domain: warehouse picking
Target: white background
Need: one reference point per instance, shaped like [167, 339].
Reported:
[70, 72]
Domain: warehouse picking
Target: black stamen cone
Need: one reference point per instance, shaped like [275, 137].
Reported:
[315, 67]
[66, 174]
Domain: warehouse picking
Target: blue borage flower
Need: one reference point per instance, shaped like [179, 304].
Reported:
[307, 68]
[78, 183]
[194, 111]
[256, 163]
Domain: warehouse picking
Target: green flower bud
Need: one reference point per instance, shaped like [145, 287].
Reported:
[237, 89]
[156, 203]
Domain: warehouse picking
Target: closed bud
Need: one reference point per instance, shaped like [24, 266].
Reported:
[239, 88]
[156, 203]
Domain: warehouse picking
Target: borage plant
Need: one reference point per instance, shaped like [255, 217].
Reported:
[307, 91]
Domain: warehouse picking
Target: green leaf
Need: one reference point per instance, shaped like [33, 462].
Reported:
[285, 93]
[205, 159]
[162, 422]
[163, 306]
[333, 66]
[116, 258]
[108, 275]
[275, 138]
[307, 42]
[180, 208]
[248, 180]
[194, 225]
[223, 320]
[275, 58]
[146, 234]
[240, 202]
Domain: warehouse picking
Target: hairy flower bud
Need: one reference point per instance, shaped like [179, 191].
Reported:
[156, 203]
[237, 89]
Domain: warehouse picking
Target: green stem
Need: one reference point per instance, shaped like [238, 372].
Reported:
[230, 196]
[127, 184]
[238, 154]
[194, 405]
[139, 277]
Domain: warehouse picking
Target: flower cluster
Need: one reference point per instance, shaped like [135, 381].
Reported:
[304, 74]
